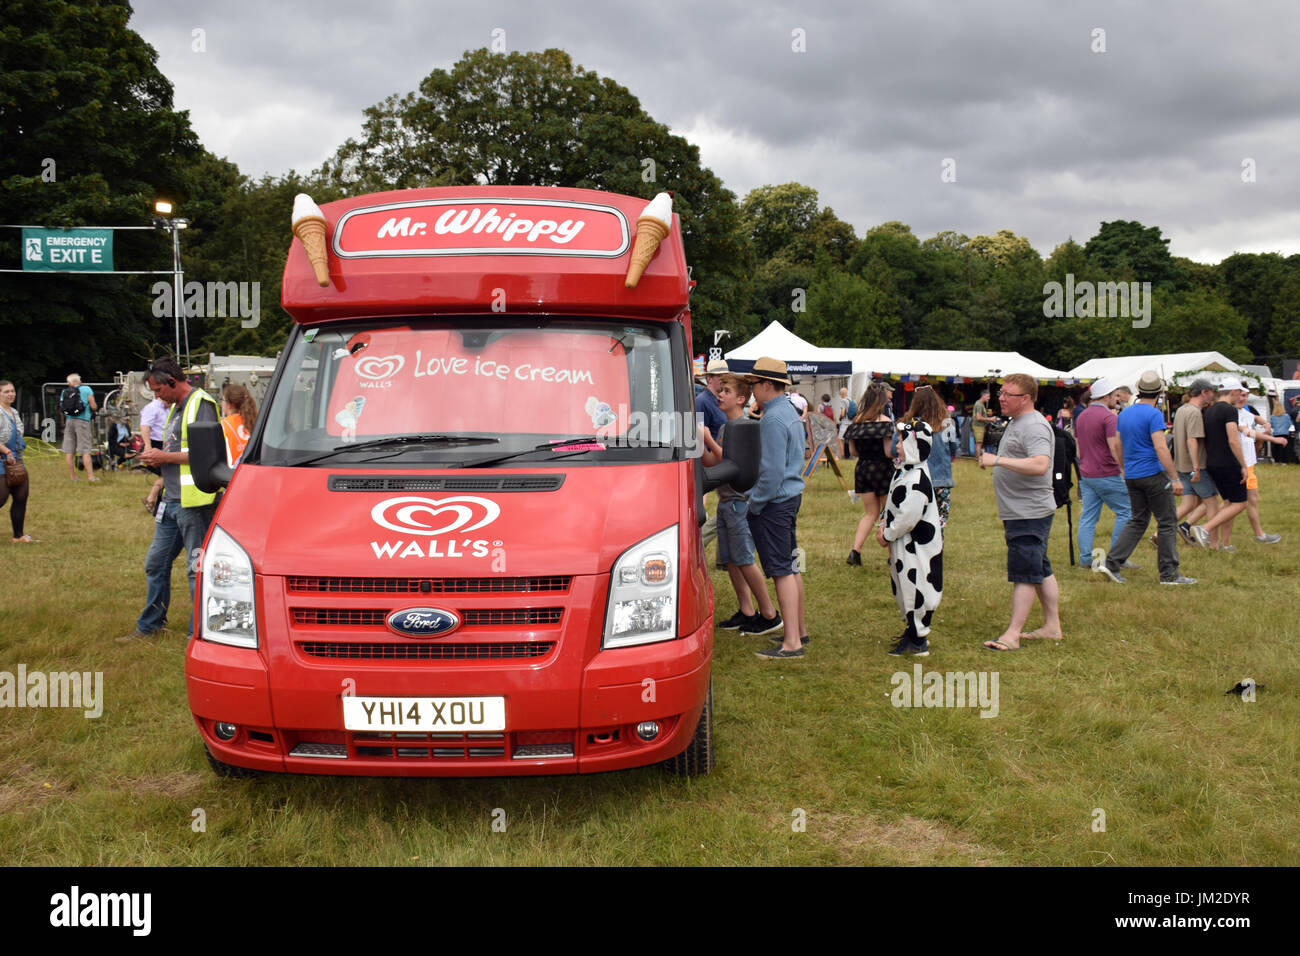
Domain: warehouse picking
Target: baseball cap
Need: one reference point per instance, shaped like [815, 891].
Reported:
[1231, 384]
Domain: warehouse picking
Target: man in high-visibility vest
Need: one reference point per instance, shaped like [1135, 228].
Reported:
[185, 512]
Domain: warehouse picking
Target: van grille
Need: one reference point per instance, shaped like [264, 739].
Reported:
[498, 483]
[486, 585]
[514, 650]
[372, 617]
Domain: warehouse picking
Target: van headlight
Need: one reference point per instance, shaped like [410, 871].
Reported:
[228, 610]
[642, 606]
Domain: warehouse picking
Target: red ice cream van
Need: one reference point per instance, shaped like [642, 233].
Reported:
[464, 537]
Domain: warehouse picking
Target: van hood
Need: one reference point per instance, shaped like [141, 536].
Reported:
[297, 521]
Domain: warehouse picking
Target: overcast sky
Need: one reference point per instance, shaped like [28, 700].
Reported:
[1047, 135]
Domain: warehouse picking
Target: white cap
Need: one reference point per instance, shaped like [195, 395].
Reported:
[1103, 386]
[1231, 384]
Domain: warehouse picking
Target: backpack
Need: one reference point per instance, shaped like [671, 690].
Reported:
[1064, 457]
[70, 401]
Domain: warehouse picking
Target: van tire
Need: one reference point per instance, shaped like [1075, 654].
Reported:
[697, 759]
[227, 770]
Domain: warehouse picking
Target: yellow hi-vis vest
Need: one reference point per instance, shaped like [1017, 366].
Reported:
[191, 496]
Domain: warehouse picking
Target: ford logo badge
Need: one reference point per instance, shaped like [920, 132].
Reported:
[423, 622]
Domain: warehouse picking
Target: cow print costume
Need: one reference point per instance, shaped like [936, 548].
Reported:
[913, 531]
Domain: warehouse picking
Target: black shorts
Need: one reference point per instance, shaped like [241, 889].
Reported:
[774, 536]
[1027, 549]
[1228, 481]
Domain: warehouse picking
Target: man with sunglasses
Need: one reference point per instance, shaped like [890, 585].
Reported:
[1022, 481]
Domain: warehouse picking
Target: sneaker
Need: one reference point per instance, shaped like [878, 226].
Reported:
[1201, 535]
[781, 640]
[1185, 532]
[855, 558]
[761, 625]
[734, 622]
[136, 635]
[1130, 566]
[906, 646]
[1267, 538]
[1113, 575]
[778, 653]
[1228, 548]
[1181, 579]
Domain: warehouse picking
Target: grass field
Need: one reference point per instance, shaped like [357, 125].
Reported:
[1127, 717]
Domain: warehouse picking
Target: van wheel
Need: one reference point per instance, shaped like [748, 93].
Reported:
[227, 770]
[697, 759]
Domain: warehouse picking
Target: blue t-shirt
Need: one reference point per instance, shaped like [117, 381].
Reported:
[1135, 426]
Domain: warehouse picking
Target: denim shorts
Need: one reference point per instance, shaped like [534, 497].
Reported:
[1203, 489]
[735, 543]
[774, 536]
[1027, 549]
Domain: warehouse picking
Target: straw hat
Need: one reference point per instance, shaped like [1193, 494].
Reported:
[769, 370]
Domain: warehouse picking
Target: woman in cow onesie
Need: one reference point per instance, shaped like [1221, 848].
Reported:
[911, 529]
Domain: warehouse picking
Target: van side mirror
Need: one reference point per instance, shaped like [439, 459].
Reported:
[208, 457]
[740, 454]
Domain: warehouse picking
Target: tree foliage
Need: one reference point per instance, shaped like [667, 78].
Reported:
[90, 138]
[537, 119]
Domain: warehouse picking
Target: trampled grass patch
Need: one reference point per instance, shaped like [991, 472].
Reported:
[1124, 723]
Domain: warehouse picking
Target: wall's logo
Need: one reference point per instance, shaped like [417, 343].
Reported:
[423, 622]
[412, 514]
[375, 367]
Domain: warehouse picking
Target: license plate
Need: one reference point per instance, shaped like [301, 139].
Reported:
[425, 714]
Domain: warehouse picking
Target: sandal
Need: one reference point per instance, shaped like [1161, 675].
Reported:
[25, 539]
[999, 646]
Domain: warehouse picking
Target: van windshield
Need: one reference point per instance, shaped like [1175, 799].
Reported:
[468, 392]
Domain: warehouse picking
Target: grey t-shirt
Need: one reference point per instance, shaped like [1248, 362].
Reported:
[1025, 496]
[726, 492]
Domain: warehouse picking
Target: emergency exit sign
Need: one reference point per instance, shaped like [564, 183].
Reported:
[67, 250]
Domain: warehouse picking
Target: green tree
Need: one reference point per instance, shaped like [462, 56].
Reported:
[1284, 334]
[1252, 283]
[848, 311]
[1126, 250]
[90, 138]
[536, 119]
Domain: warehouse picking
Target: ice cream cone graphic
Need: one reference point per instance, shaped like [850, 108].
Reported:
[309, 226]
[651, 226]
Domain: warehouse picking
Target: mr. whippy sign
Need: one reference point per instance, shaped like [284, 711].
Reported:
[455, 227]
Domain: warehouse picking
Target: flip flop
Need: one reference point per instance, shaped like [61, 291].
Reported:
[999, 646]
[1036, 636]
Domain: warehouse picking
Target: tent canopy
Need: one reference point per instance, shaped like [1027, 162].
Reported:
[1175, 368]
[907, 364]
[800, 357]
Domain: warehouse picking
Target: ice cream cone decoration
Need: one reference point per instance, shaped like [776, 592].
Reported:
[651, 226]
[309, 226]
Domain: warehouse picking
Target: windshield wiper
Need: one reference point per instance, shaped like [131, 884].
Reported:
[397, 440]
[558, 447]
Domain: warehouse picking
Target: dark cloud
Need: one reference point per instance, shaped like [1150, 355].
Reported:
[1050, 137]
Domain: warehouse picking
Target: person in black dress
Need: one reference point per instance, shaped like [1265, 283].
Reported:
[871, 433]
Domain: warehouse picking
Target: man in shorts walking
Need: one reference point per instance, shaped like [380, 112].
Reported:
[1022, 481]
[1225, 462]
[76, 427]
[1189, 458]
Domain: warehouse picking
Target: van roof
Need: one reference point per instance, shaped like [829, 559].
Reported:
[485, 249]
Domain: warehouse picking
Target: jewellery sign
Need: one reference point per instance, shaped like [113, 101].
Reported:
[68, 250]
